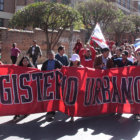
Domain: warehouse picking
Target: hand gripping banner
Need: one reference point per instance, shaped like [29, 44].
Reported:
[73, 91]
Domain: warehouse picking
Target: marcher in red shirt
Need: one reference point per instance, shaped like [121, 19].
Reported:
[87, 56]
[110, 43]
[77, 46]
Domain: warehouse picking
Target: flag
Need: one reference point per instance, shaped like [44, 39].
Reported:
[98, 37]
[137, 45]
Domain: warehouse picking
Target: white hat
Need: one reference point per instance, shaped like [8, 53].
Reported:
[75, 57]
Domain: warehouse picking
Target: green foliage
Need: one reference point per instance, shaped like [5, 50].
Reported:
[94, 11]
[78, 25]
[120, 26]
[136, 21]
[47, 16]
[97, 11]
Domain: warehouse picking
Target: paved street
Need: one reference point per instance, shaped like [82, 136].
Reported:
[35, 127]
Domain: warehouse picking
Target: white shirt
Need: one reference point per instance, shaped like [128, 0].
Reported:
[104, 60]
[33, 50]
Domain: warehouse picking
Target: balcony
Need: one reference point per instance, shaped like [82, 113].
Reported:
[120, 6]
[127, 8]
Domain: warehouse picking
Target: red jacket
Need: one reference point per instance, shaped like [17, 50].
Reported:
[87, 62]
[110, 44]
[77, 47]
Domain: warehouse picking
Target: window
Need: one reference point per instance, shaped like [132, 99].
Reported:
[124, 3]
[1, 5]
[128, 4]
[1, 22]
[119, 2]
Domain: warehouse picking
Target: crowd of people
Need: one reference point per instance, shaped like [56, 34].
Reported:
[83, 56]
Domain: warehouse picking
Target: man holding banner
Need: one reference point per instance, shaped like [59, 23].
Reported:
[102, 61]
[49, 65]
[87, 56]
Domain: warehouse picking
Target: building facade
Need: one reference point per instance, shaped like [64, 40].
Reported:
[9, 7]
[127, 6]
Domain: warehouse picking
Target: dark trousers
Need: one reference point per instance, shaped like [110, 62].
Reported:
[14, 59]
[52, 113]
[34, 60]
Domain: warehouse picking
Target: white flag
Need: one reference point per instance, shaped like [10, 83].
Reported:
[98, 37]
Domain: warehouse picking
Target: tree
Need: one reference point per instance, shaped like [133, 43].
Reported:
[121, 26]
[97, 11]
[52, 18]
[136, 21]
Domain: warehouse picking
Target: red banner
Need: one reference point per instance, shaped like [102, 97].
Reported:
[74, 91]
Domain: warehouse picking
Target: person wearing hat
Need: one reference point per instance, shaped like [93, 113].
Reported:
[121, 62]
[103, 61]
[75, 62]
[87, 56]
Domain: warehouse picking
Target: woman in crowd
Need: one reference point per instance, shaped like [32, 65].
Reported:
[75, 62]
[77, 46]
[14, 53]
[24, 62]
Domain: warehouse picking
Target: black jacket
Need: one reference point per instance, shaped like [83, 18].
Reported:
[58, 65]
[119, 63]
[37, 51]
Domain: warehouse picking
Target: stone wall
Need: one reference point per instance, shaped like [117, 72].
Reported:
[24, 41]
